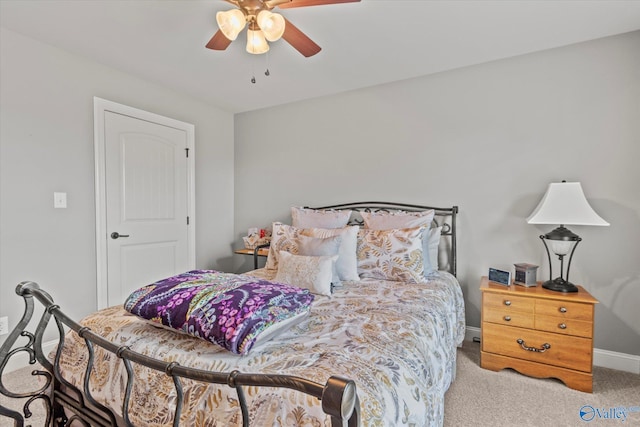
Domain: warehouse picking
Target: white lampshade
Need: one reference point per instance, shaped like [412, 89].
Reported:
[564, 203]
[271, 24]
[231, 23]
[256, 42]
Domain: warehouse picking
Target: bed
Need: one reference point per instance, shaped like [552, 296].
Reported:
[371, 352]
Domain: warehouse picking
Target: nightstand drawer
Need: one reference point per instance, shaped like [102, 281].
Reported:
[569, 310]
[564, 351]
[508, 302]
[559, 325]
[508, 317]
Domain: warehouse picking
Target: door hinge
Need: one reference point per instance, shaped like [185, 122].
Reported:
[187, 151]
[187, 220]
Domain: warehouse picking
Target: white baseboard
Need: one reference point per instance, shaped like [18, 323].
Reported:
[614, 360]
[603, 358]
[21, 360]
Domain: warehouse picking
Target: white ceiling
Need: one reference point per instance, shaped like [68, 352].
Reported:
[363, 44]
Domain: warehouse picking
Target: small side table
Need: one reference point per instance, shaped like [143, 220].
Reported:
[260, 251]
[538, 332]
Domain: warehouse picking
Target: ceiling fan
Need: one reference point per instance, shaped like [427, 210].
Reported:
[263, 25]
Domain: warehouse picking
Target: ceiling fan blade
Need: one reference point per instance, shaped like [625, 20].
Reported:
[303, 3]
[299, 40]
[273, 3]
[218, 41]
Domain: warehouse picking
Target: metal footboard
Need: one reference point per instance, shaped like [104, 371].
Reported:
[66, 404]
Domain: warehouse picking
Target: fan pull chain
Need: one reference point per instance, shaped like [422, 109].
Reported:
[267, 73]
[253, 73]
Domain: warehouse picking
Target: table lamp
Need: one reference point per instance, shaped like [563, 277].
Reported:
[564, 203]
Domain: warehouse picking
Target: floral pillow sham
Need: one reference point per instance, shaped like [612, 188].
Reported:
[399, 220]
[391, 254]
[227, 309]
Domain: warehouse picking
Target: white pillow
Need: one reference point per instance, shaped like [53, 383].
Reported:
[382, 220]
[320, 246]
[312, 218]
[309, 272]
[431, 255]
[285, 238]
[347, 264]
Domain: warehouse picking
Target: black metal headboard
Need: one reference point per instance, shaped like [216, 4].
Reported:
[444, 217]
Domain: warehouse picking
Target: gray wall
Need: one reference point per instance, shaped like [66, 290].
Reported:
[489, 138]
[46, 145]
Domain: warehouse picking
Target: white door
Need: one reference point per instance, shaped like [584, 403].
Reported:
[147, 219]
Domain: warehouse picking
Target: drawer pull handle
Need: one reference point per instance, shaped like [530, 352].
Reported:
[545, 346]
[562, 326]
[507, 302]
[507, 318]
[562, 310]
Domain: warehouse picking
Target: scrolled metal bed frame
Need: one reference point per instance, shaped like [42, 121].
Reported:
[338, 395]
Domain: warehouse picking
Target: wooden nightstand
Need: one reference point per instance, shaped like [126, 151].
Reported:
[537, 332]
[255, 253]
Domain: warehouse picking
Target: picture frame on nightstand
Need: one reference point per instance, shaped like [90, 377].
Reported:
[501, 277]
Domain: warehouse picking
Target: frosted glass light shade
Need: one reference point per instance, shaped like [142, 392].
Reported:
[561, 247]
[564, 203]
[256, 42]
[231, 23]
[271, 24]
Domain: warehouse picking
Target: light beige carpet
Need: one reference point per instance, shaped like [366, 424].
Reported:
[485, 398]
[482, 398]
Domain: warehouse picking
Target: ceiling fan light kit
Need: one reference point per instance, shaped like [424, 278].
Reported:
[231, 23]
[271, 24]
[256, 43]
[264, 25]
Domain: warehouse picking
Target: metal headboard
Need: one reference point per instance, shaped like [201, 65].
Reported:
[444, 217]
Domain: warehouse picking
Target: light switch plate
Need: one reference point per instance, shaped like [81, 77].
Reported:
[60, 200]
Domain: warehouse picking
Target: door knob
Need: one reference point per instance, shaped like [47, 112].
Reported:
[115, 235]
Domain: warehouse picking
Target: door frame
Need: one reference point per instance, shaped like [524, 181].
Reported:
[100, 106]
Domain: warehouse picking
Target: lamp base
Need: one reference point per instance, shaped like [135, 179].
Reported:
[559, 285]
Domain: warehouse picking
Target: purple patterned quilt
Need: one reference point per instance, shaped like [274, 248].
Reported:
[227, 309]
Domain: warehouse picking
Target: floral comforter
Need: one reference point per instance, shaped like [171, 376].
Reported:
[397, 341]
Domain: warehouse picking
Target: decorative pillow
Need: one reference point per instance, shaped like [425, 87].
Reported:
[230, 310]
[286, 237]
[310, 272]
[283, 238]
[391, 254]
[431, 255]
[399, 220]
[393, 220]
[347, 263]
[312, 218]
[320, 246]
